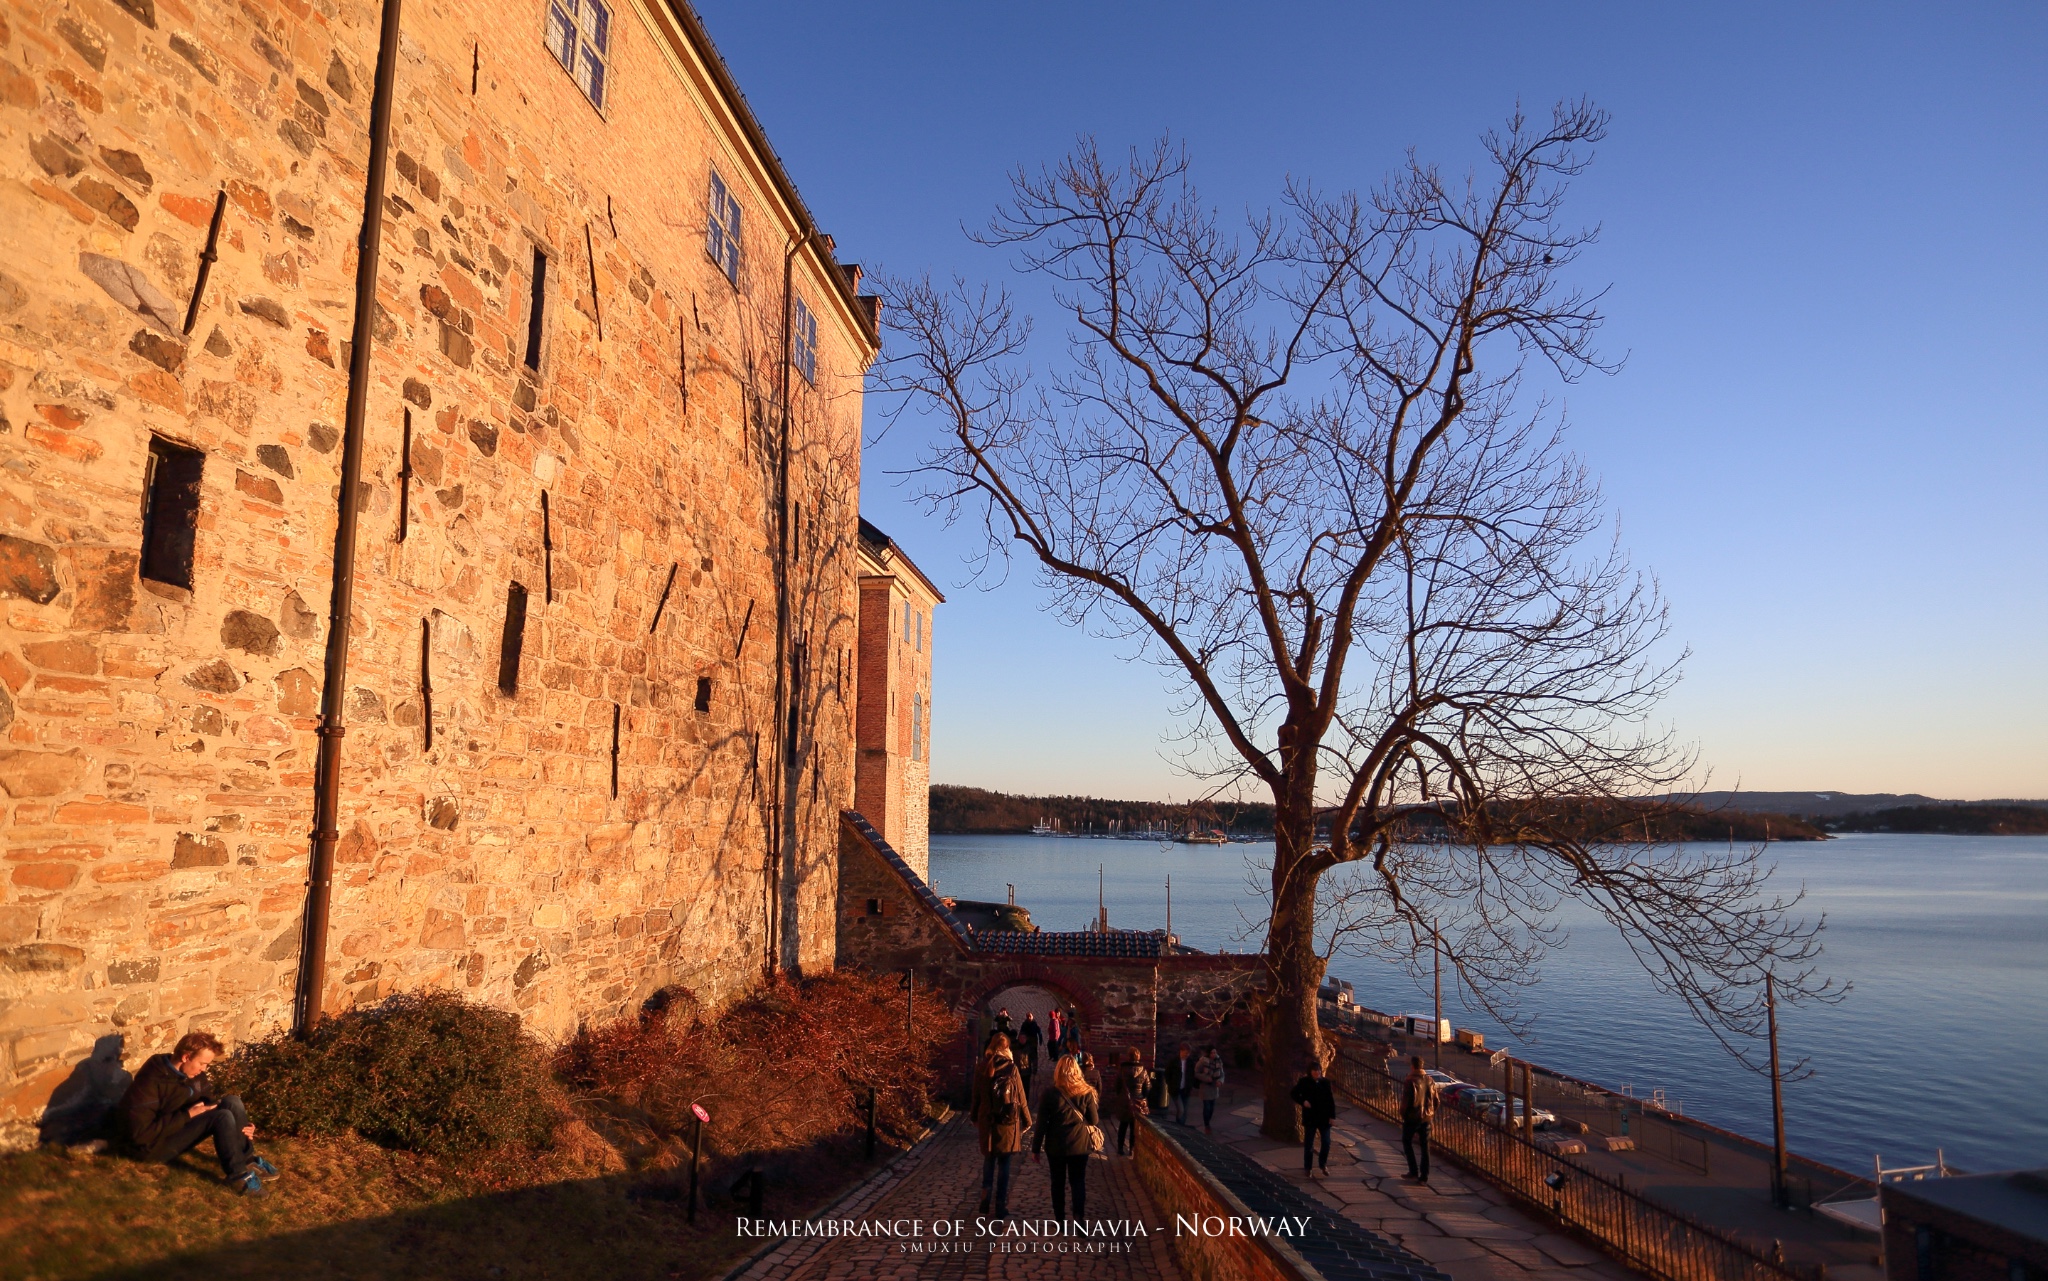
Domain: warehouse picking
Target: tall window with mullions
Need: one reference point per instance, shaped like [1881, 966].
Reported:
[803, 344]
[722, 240]
[580, 35]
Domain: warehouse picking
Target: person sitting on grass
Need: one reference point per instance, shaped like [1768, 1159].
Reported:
[171, 1108]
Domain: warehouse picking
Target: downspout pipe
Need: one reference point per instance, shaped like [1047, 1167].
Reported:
[306, 1011]
[778, 837]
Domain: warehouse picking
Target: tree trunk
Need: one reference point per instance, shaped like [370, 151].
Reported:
[1293, 971]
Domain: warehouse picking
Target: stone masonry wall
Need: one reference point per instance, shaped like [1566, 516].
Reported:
[156, 744]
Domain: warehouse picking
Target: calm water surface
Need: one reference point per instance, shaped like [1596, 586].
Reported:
[1940, 1044]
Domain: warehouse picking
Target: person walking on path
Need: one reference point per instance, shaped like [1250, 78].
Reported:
[1002, 1021]
[1002, 1112]
[1029, 1040]
[1318, 1109]
[1055, 1031]
[171, 1107]
[1209, 1075]
[1128, 1101]
[1068, 1131]
[1418, 1108]
[1181, 1081]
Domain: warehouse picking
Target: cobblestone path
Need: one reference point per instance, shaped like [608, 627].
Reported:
[943, 1181]
[1457, 1220]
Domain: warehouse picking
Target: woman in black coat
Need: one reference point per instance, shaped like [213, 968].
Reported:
[1067, 1112]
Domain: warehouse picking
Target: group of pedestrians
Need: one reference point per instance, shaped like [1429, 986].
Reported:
[1065, 1122]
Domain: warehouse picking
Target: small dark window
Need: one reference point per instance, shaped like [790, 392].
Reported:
[796, 532]
[515, 638]
[703, 693]
[536, 311]
[874, 907]
[170, 518]
[803, 341]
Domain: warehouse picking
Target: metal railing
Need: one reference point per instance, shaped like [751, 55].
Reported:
[1662, 1242]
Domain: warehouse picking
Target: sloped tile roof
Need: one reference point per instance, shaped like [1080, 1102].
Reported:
[961, 934]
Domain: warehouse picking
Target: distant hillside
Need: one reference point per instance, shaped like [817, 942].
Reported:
[974, 810]
[1890, 812]
[1978, 819]
[1807, 804]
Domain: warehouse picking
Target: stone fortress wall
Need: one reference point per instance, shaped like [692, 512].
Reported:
[157, 743]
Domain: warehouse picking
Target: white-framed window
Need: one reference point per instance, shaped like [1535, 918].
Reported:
[803, 340]
[580, 36]
[917, 727]
[723, 240]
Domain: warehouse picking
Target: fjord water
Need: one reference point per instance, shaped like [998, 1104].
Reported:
[1940, 1044]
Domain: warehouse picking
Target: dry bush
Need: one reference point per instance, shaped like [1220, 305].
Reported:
[425, 1072]
[786, 1070]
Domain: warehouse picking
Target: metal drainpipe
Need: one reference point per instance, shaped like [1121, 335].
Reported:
[327, 771]
[778, 832]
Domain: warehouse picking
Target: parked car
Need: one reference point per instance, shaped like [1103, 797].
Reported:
[1444, 1080]
[1545, 1118]
[1477, 1099]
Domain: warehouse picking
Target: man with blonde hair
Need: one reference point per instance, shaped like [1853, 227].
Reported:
[171, 1108]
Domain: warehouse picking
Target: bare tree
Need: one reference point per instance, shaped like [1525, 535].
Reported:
[1297, 462]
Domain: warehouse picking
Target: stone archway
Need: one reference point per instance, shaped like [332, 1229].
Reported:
[1039, 986]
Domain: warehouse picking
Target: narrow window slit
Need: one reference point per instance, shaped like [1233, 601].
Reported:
[476, 65]
[170, 517]
[405, 477]
[596, 313]
[536, 310]
[663, 602]
[547, 546]
[615, 751]
[207, 259]
[427, 686]
[515, 638]
[703, 693]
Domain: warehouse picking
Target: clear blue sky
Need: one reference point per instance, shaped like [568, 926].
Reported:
[1826, 228]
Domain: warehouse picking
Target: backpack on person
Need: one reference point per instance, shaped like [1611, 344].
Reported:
[1003, 1099]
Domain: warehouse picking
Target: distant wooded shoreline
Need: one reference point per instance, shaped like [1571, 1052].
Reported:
[957, 810]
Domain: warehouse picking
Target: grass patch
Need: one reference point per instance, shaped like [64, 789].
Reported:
[598, 1195]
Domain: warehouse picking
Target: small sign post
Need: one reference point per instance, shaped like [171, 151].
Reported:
[702, 1118]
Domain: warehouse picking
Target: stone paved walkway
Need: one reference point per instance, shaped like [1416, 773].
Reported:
[1456, 1221]
[943, 1181]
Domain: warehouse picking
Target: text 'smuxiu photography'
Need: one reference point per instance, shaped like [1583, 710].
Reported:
[743, 642]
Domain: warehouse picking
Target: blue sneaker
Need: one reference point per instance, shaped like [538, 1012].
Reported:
[249, 1184]
[265, 1168]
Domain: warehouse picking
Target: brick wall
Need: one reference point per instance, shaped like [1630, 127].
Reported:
[893, 783]
[158, 744]
[1179, 1187]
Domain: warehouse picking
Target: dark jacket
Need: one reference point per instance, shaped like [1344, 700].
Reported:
[1128, 1099]
[1318, 1101]
[1001, 1112]
[1029, 1033]
[1063, 1122]
[157, 1099]
[1418, 1099]
[1180, 1073]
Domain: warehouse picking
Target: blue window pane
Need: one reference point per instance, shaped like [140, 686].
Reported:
[591, 76]
[562, 35]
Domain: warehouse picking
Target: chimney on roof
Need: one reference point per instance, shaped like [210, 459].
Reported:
[853, 273]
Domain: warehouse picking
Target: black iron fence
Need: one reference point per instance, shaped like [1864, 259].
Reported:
[1664, 1243]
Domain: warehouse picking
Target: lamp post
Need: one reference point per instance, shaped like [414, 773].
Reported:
[1436, 1027]
[1777, 1098]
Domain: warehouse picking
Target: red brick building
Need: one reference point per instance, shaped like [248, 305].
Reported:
[893, 728]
